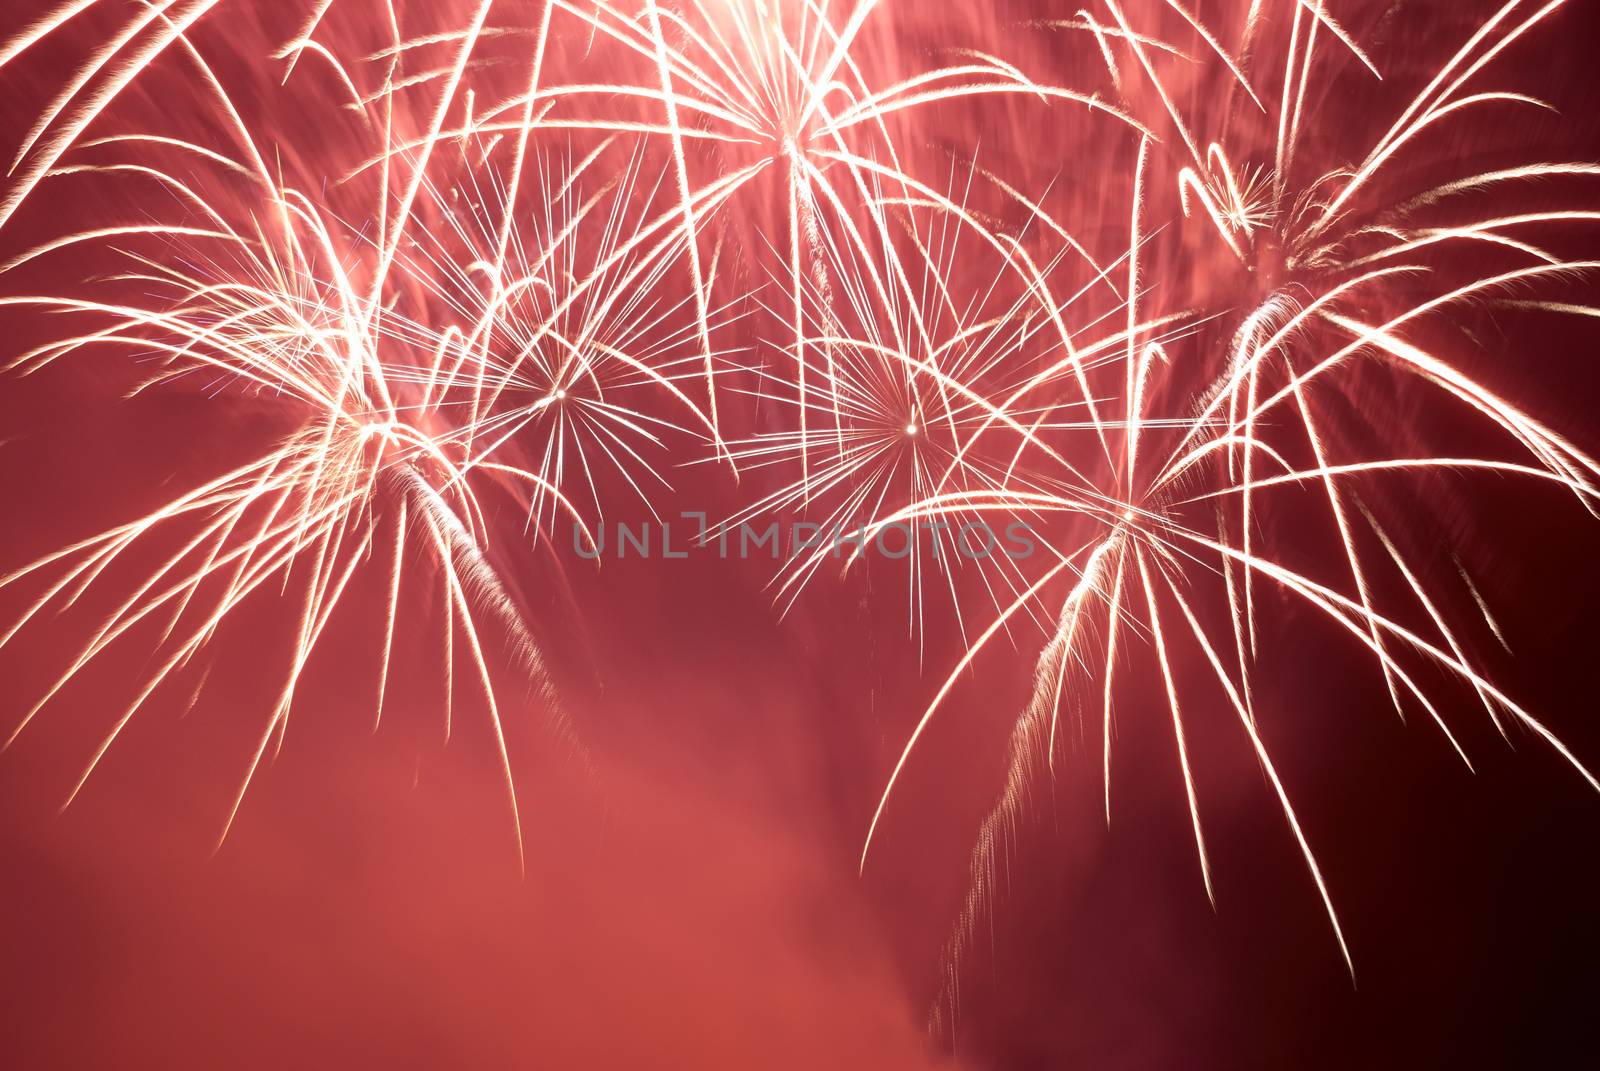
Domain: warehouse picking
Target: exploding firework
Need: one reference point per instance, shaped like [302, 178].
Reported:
[1332, 274]
[1215, 315]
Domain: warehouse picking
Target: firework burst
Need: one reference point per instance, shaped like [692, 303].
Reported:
[1179, 312]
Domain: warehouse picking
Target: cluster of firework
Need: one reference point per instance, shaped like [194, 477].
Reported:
[1188, 288]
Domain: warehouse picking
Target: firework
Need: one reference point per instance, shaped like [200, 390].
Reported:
[1329, 283]
[534, 252]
